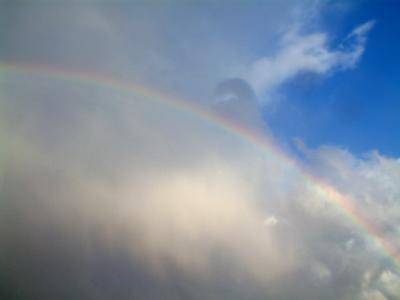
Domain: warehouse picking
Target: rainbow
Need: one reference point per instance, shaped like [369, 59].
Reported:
[344, 204]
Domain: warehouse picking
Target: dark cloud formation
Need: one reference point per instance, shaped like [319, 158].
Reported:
[236, 100]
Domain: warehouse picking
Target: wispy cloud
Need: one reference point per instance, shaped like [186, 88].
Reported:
[300, 52]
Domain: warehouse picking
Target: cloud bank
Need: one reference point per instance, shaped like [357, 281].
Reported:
[131, 198]
[112, 195]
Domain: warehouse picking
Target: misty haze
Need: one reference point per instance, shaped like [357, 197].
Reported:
[199, 150]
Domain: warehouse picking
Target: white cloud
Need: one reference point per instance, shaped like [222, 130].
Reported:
[372, 295]
[271, 221]
[300, 52]
[390, 283]
[384, 284]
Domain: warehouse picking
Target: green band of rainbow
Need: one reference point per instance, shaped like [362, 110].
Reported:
[343, 203]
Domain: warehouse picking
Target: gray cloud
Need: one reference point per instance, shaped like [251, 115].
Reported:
[107, 195]
[157, 195]
[162, 194]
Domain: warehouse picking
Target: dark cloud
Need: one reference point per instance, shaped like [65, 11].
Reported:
[236, 100]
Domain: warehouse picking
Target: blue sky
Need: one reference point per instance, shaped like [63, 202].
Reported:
[357, 109]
